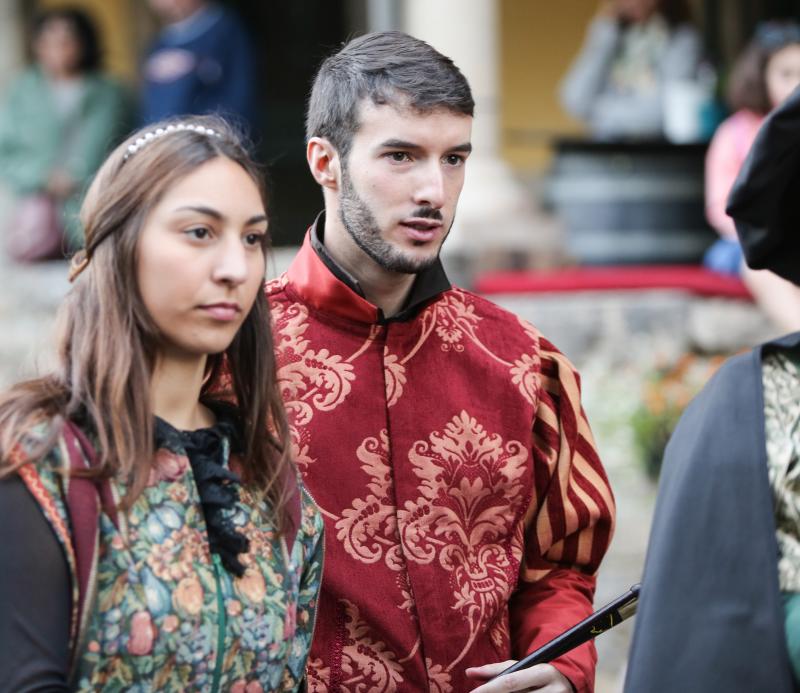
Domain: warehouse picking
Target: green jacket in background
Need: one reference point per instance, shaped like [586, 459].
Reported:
[32, 136]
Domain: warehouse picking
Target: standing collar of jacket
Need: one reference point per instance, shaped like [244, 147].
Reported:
[327, 286]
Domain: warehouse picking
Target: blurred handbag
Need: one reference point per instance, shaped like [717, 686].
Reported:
[35, 231]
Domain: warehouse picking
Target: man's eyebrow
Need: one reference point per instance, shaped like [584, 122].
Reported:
[398, 144]
[214, 214]
[464, 148]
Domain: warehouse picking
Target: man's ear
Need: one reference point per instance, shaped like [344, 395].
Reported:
[324, 162]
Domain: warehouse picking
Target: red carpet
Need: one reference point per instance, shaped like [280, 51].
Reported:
[692, 278]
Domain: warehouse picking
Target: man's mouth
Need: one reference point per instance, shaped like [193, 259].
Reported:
[421, 224]
[420, 229]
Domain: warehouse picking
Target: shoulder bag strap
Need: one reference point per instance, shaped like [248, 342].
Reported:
[86, 497]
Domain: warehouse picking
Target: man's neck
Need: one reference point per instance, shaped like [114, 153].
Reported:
[383, 288]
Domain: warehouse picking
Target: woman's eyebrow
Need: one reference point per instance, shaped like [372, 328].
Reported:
[211, 212]
[201, 209]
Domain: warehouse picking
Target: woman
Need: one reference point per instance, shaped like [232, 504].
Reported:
[208, 561]
[763, 77]
[720, 602]
[632, 50]
[59, 119]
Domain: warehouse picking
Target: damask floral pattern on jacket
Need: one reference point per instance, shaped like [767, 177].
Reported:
[456, 473]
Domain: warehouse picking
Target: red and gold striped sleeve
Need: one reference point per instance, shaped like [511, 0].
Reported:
[569, 523]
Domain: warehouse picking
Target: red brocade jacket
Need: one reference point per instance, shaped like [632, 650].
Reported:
[466, 509]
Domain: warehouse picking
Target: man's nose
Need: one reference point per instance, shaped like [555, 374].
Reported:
[430, 190]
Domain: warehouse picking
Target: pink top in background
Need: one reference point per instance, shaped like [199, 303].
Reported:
[726, 153]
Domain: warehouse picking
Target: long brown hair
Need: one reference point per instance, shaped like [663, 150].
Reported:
[107, 341]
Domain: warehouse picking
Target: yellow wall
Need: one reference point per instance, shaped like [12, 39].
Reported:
[539, 38]
[118, 22]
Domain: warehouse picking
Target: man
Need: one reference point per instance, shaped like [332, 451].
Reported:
[466, 509]
[201, 62]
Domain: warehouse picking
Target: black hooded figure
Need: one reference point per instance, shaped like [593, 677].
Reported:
[710, 614]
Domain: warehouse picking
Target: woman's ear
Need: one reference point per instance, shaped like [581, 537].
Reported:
[324, 162]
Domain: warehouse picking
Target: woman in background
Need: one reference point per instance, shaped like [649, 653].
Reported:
[762, 78]
[59, 119]
[208, 557]
[632, 50]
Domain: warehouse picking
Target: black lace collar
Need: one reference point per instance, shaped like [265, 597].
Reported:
[217, 485]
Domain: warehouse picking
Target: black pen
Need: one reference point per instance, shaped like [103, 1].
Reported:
[600, 621]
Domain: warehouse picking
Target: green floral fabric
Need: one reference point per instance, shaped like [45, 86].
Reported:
[781, 378]
[168, 616]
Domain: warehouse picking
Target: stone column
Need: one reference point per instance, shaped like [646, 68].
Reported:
[495, 214]
[11, 42]
[382, 15]
[12, 58]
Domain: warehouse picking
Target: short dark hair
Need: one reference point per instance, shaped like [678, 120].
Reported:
[389, 68]
[85, 32]
[747, 85]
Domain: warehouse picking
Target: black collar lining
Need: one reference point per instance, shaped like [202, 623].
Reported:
[429, 283]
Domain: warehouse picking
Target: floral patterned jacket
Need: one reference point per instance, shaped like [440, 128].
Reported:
[167, 615]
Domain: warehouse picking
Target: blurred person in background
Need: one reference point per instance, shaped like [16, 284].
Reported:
[201, 62]
[633, 49]
[720, 600]
[153, 535]
[764, 75]
[59, 119]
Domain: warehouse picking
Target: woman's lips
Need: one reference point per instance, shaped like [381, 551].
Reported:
[222, 311]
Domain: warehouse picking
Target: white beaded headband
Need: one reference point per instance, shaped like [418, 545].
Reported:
[167, 129]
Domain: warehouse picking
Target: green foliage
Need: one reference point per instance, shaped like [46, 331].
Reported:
[666, 392]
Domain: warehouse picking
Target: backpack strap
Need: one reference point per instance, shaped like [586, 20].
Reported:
[86, 497]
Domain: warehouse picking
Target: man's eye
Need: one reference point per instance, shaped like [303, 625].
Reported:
[399, 156]
[454, 159]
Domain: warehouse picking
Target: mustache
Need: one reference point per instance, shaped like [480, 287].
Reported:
[427, 213]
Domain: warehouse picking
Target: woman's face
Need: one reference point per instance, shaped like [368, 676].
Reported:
[57, 48]
[200, 258]
[783, 73]
[636, 11]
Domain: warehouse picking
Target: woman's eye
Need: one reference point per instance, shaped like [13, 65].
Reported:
[198, 232]
[255, 239]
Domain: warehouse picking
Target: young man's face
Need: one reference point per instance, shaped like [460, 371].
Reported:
[401, 182]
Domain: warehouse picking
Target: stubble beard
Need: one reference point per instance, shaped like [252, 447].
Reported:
[362, 226]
